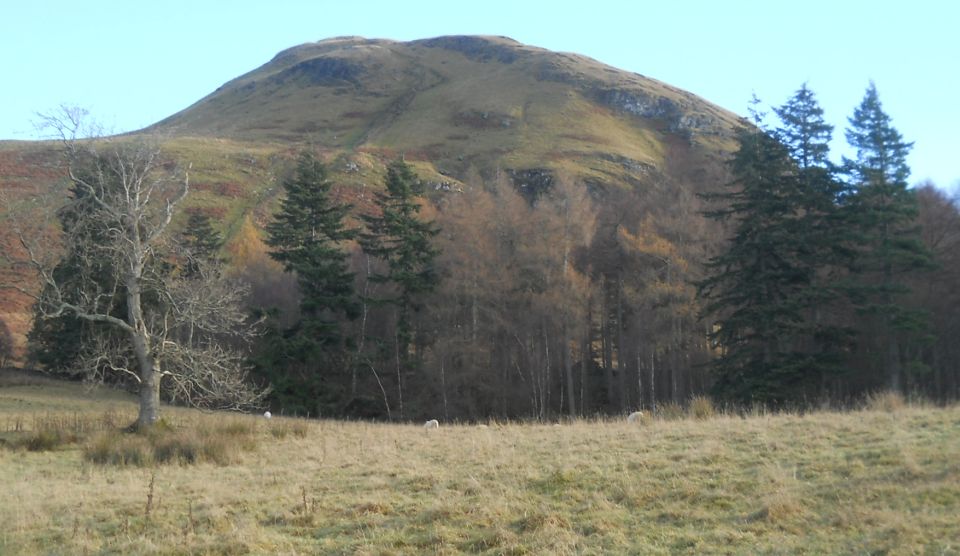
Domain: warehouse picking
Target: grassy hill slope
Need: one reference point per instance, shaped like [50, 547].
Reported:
[863, 482]
[463, 103]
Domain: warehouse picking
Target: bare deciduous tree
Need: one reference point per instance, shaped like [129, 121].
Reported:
[123, 197]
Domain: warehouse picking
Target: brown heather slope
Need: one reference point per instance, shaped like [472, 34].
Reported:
[462, 109]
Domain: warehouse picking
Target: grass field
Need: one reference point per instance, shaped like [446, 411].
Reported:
[866, 482]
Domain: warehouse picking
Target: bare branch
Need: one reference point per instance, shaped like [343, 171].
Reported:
[192, 332]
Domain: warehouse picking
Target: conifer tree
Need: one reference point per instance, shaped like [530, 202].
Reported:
[398, 236]
[884, 212]
[56, 343]
[199, 242]
[821, 234]
[307, 236]
[305, 363]
[6, 344]
[753, 287]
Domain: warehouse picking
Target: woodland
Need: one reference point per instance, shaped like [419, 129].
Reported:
[821, 282]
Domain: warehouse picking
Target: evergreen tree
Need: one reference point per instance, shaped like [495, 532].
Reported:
[56, 343]
[307, 237]
[821, 231]
[6, 344]
[398, 236]
[756, 286]
[199, 243]
[884, 211]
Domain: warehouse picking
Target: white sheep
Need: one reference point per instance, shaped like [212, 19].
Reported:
[267, 415]
[635, 417]
[432, 424]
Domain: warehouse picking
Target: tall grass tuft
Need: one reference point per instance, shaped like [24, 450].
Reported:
[701, 408]
[670, 411]
[44, 440]
[297, 428]
[220, 444]
[884, 400]
[118, 448]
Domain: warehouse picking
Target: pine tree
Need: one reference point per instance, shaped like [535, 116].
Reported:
[398, 236]
[754, 286]
[305, 363]
[820, 230]
[307, 237]
[56, 343]
[884, 211]
[199, 243]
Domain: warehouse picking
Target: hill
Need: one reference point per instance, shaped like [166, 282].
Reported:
[870, 481]
[463, 110]
[457, 101]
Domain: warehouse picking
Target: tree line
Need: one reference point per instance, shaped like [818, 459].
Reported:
[793, 281]
[811, 298]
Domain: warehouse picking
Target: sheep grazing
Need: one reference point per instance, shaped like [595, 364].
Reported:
[635, 417]
[432, 424]
[267, 415]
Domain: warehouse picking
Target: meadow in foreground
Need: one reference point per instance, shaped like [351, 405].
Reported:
[869, 481]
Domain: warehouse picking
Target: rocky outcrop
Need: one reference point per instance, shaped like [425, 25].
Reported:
[322, 71]
[643, 105]
[532, 182]
[478, 49]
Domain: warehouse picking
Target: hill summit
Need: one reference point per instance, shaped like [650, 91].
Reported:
[462, 101]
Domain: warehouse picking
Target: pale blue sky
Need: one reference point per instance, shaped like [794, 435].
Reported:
[132, 63]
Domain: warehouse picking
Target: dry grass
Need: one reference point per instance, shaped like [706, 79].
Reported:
[701, 407]
[884, 400]
[862, 482]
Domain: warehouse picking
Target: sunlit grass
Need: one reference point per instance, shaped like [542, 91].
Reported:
[872, 481]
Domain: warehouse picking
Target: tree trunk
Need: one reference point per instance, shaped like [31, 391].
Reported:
[149, 373]
[396, 354]
[639, 382]
[443, 389]
[584, 379]
[653, 384]
[568, 369]
[607, 350]
[149, 399]
[621, 362]
[893, 364]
